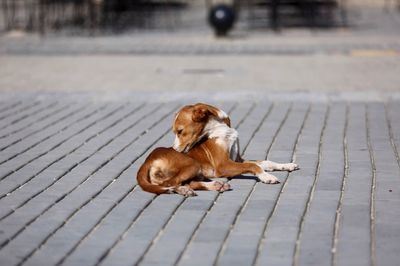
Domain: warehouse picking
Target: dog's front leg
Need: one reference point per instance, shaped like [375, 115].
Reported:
[272, 166]
[235, 152]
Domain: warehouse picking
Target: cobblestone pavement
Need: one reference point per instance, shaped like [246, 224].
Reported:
[68, 193]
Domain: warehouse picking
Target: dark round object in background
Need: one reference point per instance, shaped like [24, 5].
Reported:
[221, 17]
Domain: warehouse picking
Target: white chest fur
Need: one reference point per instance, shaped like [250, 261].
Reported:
[225, 136]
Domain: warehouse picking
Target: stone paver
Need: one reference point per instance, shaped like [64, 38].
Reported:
[68, 193]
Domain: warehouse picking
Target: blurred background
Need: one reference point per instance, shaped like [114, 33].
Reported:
[89, 17]
[197, 45]
[125, 16]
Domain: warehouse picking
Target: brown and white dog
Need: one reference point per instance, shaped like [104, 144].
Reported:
[205, 147]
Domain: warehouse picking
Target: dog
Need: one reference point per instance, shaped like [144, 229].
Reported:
[205, 146]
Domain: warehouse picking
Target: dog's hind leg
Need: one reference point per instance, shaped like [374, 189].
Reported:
[176, 183]
[208, 184]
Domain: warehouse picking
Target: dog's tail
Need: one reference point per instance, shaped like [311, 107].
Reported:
[143, 178]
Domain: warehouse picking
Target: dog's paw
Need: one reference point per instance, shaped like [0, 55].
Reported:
[220, 186]
[268, 178]
[185, 191]
[291, 167]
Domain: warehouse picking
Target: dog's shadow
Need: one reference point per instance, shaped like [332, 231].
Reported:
[244, 177]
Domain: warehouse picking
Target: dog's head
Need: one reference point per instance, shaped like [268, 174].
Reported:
[190, 122]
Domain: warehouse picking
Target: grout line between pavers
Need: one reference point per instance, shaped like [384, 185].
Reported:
[391, 136]
[76, 164]
[335, 238]
[296, 252]
[262, 238]
[373, 188]
[102, 189]
[50, 114]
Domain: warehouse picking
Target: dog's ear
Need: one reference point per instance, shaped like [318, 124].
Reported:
[227, 121]
[200, 113]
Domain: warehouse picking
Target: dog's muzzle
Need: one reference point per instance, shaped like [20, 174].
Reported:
[176, 145]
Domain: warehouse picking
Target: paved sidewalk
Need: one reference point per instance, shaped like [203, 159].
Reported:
[68, 193]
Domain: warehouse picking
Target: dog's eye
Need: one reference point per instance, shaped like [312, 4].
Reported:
[179, 131]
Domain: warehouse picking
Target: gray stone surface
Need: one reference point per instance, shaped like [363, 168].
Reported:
[69, 194]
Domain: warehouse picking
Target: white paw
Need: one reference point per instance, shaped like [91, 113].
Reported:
[291, 167]
[268, 179]
[219, 186]
[185, 191]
